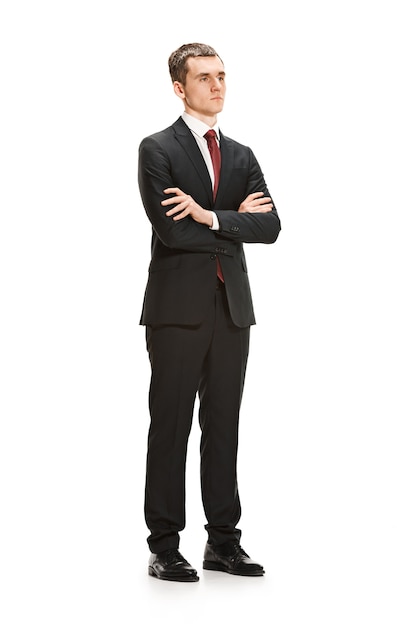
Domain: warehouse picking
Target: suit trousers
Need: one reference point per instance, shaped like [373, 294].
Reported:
[208, 360]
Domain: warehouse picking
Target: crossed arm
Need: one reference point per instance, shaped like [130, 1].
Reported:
[184, 205]
[255, 220]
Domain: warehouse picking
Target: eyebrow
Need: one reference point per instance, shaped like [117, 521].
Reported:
[208, 74]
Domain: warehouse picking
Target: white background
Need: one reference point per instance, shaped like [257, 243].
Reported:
[325, 94]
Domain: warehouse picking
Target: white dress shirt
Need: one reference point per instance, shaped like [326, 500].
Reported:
[199, 129]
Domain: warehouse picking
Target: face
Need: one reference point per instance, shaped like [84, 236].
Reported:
[204, 90]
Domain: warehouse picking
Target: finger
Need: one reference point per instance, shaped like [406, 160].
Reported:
[253, 196]
[264, 200]
[181, 216]
[180, 205]
[175, 190]
[173, 200]
[262, 208]
[176, 209]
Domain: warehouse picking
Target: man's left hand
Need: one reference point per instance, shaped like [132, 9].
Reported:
[184, 205]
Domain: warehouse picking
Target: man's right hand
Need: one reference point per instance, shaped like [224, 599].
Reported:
[256, 203]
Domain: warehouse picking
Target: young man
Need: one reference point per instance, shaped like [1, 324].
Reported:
[204, 196]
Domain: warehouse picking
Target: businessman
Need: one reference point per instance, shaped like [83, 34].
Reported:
[205, 196]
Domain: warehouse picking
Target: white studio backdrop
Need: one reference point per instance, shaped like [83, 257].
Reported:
[325, 94]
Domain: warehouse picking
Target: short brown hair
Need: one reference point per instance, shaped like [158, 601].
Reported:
[177, 61]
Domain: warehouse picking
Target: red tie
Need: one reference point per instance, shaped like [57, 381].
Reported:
[216, 159]
[214, 150]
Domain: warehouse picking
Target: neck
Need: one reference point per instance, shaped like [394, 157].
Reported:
[210, 120]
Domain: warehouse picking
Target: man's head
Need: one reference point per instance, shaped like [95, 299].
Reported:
[198, 78]
[178, 60]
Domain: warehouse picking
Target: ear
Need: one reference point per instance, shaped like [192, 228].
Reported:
[179, 89]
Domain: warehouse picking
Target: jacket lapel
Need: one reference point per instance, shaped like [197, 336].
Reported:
[227, 152]
[193, 154]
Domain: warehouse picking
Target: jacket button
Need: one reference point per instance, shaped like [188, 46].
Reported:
[212, 257]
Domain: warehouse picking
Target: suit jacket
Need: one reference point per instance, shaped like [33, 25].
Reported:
[182, 271]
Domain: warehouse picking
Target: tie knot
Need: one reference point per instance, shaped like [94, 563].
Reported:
[210, 135]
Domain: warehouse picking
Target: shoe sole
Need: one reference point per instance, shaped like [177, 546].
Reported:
[218, 567]
[177, 579]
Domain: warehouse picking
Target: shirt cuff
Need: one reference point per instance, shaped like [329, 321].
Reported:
[215, 225]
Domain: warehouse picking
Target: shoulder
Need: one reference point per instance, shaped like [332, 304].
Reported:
[167, 135]
[242, 155]
[235, 145]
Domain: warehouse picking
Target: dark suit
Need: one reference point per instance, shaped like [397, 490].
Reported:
[197, 333]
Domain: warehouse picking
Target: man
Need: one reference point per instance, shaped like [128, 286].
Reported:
[203, 203]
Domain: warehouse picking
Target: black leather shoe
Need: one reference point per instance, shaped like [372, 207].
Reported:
[171, 565]
[231, 558]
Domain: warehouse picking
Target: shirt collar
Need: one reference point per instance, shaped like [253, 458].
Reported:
[197, 126]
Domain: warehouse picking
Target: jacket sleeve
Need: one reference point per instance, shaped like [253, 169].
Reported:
[250, 227]
[154, 175]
